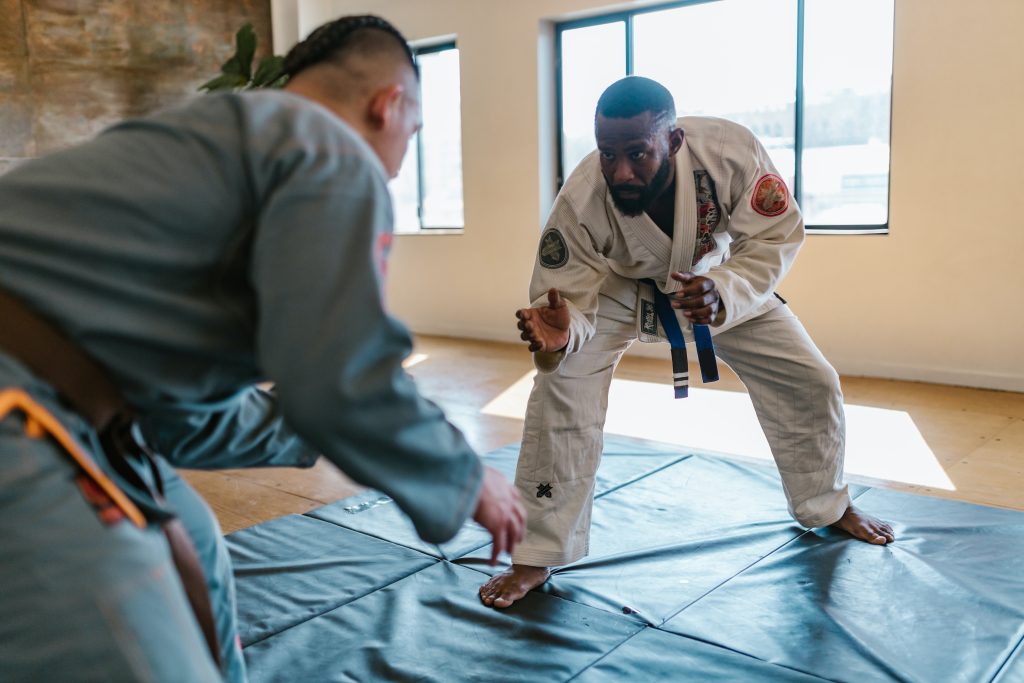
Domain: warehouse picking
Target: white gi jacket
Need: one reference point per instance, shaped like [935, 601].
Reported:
[735, 223]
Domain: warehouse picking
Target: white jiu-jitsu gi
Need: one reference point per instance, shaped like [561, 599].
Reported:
[736, 224]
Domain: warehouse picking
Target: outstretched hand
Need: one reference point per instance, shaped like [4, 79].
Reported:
[698, 299]
[500, 512]
[546, 328]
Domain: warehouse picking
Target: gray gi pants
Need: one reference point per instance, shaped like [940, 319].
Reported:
[796, 397]
[84, 601]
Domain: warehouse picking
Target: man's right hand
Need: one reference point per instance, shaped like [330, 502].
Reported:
[546, 328]
[500, 512]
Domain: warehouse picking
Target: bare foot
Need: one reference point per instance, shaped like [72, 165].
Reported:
[865, 527]
[512, 584]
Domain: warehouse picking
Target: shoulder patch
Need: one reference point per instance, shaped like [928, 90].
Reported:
[554, 252]
[770, 196]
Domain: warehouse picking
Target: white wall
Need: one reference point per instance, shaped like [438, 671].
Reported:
[938, 299]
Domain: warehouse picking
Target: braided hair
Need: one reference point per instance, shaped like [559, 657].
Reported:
[333, 41]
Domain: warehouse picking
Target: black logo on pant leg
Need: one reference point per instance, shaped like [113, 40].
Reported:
[544, 490]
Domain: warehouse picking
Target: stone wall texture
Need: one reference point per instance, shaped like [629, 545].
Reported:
[69, 68]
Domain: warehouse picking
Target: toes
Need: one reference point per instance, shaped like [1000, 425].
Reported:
[502, 602]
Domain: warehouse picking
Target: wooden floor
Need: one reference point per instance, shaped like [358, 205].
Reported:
[966, 444]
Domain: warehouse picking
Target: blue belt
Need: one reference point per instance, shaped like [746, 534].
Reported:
[702, 337]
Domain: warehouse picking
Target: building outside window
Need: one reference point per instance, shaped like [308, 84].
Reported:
[811, 78]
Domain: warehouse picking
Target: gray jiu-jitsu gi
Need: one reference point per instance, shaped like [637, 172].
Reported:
[735, 224]
[193, 253]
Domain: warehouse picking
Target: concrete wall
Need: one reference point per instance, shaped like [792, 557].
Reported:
[69, 68]
[938, 299]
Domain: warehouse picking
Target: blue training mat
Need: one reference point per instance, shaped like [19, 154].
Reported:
[696, 572]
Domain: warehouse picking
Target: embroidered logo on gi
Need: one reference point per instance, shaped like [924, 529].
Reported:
[544, 490]
[648, 318]
[708, 215]
[770, 196]
[554, 252]
[381, 249]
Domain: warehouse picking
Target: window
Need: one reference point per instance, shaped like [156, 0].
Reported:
[811, 78]
[428, 190]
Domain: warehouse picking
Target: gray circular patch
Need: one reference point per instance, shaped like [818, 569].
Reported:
[554, 252]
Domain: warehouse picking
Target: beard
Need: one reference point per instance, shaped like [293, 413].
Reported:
[634, 206]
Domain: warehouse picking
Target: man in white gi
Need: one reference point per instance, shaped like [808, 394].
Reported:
[695, 208]
[174, 262]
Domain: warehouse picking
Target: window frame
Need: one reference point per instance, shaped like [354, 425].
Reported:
[426, 48]
[627, 16]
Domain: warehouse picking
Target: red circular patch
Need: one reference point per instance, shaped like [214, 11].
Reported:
[770, 196]
[381, 250]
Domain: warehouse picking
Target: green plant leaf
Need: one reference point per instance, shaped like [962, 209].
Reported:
[245, 40]
[240, 63]
[224, 82]
[279, 83]
[269, 71]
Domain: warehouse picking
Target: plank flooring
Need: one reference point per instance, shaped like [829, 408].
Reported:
[954, 442]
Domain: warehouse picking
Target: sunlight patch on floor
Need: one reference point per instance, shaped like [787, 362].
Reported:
[881, 443]
[413, 359]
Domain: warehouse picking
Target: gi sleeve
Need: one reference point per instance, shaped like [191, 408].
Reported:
[767, 230]
[568, 259]
[244, 430]
[334, 353]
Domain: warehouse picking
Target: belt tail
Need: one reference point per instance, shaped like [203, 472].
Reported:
[705, 354]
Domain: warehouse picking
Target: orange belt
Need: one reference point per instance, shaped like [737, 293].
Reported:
[85, 385]
[39, 422]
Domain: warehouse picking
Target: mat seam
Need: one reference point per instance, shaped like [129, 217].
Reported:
[1016, 648]
[602, 657]
[730, 578]
[697, 640]
[358, 597]
[381, 538]
[643, 476]
[316, 616]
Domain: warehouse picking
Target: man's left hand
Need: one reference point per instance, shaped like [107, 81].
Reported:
[698, 299]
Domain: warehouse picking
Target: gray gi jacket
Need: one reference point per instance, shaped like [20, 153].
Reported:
[237, 239]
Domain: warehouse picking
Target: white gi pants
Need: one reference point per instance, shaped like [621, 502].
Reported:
[796, 397]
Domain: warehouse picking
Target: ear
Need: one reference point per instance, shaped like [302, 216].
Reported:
[383, 105]
[675, 141]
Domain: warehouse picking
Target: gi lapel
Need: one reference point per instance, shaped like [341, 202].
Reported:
[684, 230]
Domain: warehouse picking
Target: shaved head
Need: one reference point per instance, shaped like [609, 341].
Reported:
[362, 69]
[635, 95]
[353, 56]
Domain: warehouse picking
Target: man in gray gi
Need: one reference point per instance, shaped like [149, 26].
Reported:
[190, 255]
[694, 208]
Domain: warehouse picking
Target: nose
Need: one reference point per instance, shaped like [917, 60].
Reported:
[622, 172]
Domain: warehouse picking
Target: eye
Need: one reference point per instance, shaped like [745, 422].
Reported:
[607, 156]
[638, 156]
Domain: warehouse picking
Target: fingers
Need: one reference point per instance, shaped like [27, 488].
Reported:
[529, 332]
[554, 298]
[701, 316]
[683, 277]
[499, 544]
[528, 328]
[694, 300]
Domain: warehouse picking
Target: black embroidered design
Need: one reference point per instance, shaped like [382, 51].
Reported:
[709, 215]
[554, 252]
[648, 318]
[544, 490]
